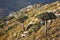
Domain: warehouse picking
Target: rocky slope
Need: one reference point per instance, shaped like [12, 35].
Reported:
[11, 28]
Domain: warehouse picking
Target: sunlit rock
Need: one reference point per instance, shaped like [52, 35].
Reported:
[30, 6]
[23, 35]
[49, 21]
[41, 22]
[57, 15]
[25, 32]
[11, 15]
[31, 23]
[14, 34]
[46, 4]
[54, 10]
[7, 22]
[58, 4]
[36, 19]
[50, 10]
[26, 14]
[37, 5]
[28, 9]
[53, 39]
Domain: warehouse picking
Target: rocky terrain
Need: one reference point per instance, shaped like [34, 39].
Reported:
[10, 27]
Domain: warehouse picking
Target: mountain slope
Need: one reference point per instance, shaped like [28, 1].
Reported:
[12, 29]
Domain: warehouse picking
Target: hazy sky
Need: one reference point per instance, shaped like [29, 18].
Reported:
[19, 3]
[13, 5]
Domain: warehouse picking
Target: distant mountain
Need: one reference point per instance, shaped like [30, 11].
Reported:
[14, 5]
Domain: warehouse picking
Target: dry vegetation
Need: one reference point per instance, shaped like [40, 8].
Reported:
[12, 29]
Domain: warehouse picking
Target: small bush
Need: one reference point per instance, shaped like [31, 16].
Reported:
[1, 25]
[10, 28]
[1, 33]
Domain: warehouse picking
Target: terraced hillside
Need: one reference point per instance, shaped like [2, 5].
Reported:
[10, 27]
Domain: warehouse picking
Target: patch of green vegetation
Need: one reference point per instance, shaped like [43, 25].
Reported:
[1, 33]
[34, 28]
[1, 26]
[10, 28]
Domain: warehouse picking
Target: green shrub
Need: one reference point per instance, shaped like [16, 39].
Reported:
[10, 28]
[1, 33]
[1, 25]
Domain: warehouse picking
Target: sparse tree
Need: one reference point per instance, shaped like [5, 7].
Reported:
[46, 16]
[22, 18]
[52, 16]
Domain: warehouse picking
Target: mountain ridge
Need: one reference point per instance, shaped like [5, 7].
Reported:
[14, 5]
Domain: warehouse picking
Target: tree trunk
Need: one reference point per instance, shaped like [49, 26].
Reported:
[51, 21]
[23, 29]
[46, 29]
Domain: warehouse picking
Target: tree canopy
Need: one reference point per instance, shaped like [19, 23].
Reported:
[22, 18]
[46, 16]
